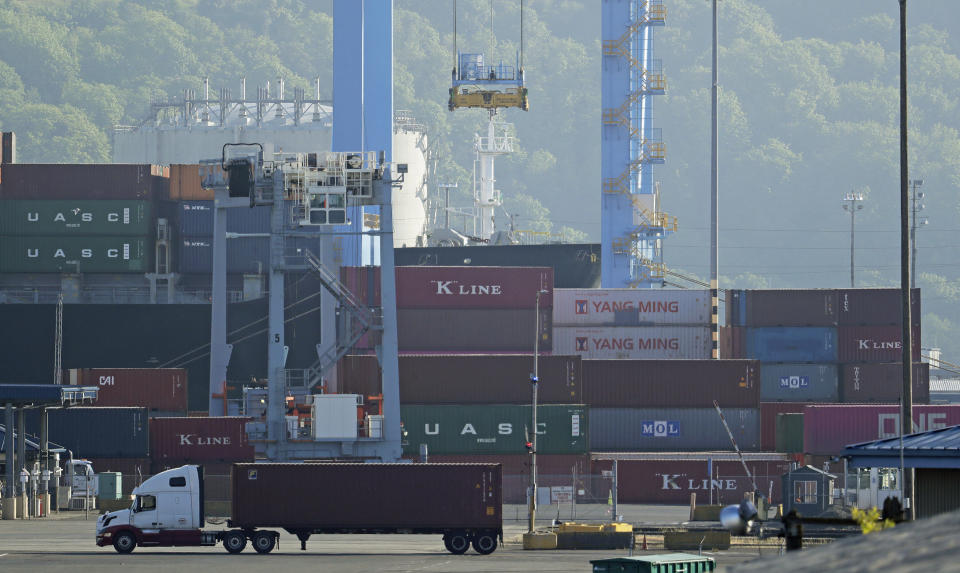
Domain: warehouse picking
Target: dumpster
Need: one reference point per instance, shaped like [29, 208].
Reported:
[655, 564]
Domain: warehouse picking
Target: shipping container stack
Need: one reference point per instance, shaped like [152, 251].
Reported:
[79, 218]
[821, 346]
[466, 337]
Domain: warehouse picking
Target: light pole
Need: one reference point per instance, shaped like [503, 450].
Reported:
[532, 443]
[852, 202]
[915, 205]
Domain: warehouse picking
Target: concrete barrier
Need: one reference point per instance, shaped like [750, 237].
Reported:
[706, 513]
[540, 540]
[9, 508]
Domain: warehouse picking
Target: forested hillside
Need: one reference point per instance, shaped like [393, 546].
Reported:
[809, 110]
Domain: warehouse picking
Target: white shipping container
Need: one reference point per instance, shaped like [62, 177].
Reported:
[633, 342]
[630, 307]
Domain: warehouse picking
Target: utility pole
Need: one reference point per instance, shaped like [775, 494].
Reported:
[906, 319]
[534, 382]
[915, 205]
[714, 204]
[852, 202]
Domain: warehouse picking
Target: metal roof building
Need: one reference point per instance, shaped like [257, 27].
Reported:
[936, 457]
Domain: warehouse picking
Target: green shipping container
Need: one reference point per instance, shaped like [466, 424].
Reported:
[75, 217]
[73, 254]
[494, 429]
[789, 437]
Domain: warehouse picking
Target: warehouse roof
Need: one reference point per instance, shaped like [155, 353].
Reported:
[931, 449]
[45, 394]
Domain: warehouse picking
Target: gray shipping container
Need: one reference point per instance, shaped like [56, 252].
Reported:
[799, 383]
[672, 429]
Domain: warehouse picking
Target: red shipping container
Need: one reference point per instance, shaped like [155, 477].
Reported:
[671, 383]
[733, 342]
[162, 389]
[667, 479]
[474, 287]
[827, 430]
[364, 283]
[192, 440]
[474, 329]
[83, 181]
[876, 306]
[806, 307]
[468, 378]
[768, 421]
[874, 343]
[883, 382]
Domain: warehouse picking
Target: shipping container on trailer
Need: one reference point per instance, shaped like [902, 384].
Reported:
[876, 307]
[671, 479]
[799, 382]
[874, 343]
[792, 343]
[672, 429]
[495, 429]
[200, 440]
[883, 382]
[630, 307]
[793, 307]
[163, 389]
[671, 383]
[84, 181]
[828, 429]
[634, 342]
[96, 432]
[85, 254]
[468, 378]
[768, 420]
[76, 217]
[473, 329]
[461, 502]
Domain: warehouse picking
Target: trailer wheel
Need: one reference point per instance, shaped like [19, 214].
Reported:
[485, 543]
[234, 541]
[264, 541]
[124, 542]
[456, 542]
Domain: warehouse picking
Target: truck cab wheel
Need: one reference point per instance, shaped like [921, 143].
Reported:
[485, 543]
[234, 541]
[456, 543]
[264, 541]
[124, 542]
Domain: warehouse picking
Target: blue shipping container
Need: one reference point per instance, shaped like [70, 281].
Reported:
[672, 429]
[196, 219]
[247, 255]
[799, 383]
[792, 343]
[244, 255]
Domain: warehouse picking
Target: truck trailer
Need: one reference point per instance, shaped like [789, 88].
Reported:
[461, 502]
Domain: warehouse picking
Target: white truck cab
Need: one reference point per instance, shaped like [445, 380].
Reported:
[167, 510]
[83, 482]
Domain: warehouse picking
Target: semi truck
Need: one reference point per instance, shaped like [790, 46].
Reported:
[461, 502]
